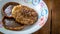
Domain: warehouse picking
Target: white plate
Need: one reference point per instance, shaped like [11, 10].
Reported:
[40, 8]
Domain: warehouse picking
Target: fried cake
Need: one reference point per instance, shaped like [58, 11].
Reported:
[24, 14]
[11, 24]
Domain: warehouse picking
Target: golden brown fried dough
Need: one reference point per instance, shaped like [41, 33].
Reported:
[24, 15]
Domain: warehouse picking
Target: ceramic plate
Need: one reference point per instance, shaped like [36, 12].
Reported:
[38, 5]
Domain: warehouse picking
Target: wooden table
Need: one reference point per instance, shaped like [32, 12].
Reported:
[56, 17]
[53, 24]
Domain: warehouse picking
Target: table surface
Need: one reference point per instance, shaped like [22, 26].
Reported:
[53, 23]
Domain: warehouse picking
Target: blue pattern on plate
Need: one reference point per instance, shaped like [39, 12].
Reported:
[46, 11]
[35, 2]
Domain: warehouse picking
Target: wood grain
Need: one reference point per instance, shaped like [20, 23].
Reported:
[46, 28]
[56, 17]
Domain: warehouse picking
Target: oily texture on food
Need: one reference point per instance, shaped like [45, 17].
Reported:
[11, 24]
[24, 15]
[7, 8]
